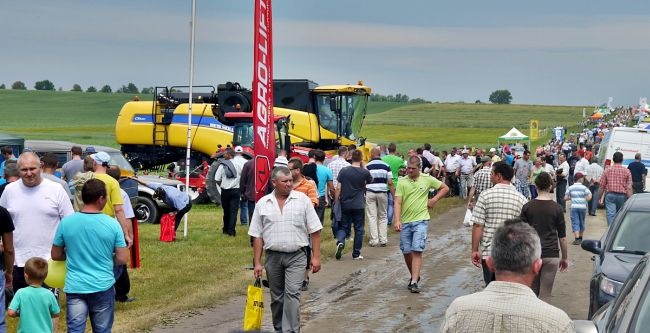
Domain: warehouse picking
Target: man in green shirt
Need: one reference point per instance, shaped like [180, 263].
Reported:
[411, 217]
[395, 163]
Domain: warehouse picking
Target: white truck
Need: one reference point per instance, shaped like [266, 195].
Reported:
[629, 141]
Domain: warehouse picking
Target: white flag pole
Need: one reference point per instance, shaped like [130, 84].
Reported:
[189, 112]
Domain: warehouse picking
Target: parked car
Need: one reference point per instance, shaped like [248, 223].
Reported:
[629, 311]
[146, 209]
[618, 251]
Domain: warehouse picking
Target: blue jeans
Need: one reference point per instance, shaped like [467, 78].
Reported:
[100, 306]
[243, 212]
[352, 217]
[613, 203]
[390, 208]
[578, 219]
[593, 204]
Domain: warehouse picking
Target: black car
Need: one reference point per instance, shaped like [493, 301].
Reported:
[624, 243]
[629, 311]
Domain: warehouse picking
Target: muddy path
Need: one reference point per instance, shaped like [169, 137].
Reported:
[371, 295]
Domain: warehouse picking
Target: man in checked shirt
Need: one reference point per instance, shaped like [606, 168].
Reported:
[616, 181]
[495, 205]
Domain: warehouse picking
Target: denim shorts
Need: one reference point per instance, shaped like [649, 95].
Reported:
[413, 237]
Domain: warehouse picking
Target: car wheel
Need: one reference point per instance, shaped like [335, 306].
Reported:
[146, 210]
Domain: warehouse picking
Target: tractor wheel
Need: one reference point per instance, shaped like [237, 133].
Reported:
[212, 188]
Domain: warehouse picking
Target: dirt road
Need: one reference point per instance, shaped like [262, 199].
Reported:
[371, 295]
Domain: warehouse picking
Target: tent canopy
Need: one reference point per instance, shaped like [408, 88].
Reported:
[596, 115]
[513, 135]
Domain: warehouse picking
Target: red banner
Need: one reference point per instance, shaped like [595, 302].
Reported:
[263, 126]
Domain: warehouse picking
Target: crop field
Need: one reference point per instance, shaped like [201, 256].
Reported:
[445, 125]
[90, 118]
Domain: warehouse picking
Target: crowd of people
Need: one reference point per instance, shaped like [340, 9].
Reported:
[516, 195]
[38, 222]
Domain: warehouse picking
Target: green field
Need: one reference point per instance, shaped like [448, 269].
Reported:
[90, 118]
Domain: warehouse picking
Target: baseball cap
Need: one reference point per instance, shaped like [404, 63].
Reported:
[90, 150]
[281, 161]
[239, 149]
[493, 150]
[101, 157]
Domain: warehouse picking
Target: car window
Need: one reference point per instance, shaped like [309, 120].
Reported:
[641, 322]
[632, 234]
[622, 302]
[118, 159]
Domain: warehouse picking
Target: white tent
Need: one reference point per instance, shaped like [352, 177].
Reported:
[514, 135]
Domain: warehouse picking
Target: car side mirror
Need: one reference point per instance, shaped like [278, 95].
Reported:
[592, 246]
[585, 326]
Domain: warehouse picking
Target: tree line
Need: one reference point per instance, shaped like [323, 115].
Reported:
[49, 85]
[398, 98]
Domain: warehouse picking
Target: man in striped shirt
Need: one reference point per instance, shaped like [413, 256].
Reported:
[494, 206]
[578, 194]
[377, 198]
[338, 163]
[616, 181]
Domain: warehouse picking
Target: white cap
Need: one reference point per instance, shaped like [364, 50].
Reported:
[493, 150]
[239, 149]
[101, 157]
[281, 161]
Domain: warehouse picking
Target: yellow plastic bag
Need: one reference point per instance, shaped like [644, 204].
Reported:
[254, 310]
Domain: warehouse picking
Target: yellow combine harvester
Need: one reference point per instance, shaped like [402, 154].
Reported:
[154, 133]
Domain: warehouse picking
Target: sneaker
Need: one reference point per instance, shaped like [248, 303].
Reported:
[373, 244]
[576, 242]
[383, 244]
[414, 288]
[357, 258]
[411, 284]
[339, 250]
[305, 285]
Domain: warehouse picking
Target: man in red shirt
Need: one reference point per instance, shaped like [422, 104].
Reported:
[616, 181]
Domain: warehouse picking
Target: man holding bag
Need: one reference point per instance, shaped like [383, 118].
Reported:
[282, 223]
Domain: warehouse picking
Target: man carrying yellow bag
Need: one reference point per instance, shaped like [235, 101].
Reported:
[282, 223]
[254, 307]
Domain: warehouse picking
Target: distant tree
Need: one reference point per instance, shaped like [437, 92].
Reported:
[76, 87]
[2, 86]
[44, 85]
[60, 89]
[91, 89]
[106, 89]
[18, 85]
[478, 101]
[147, 91]
[500, 97]
[129, 89]
[418, 101]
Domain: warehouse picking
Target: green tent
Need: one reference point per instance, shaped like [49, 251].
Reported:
[15, 142]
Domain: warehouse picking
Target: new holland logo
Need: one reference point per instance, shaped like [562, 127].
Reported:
[136, 118]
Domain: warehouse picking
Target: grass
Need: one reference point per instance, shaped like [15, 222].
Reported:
[453, 124]
[207, 267]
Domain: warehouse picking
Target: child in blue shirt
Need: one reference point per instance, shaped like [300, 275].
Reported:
[579, 195]
[35, 305]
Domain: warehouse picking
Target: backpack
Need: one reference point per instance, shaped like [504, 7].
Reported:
[78, 182]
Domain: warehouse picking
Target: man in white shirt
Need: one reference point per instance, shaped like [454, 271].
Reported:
[466, 172]
[592, 175]
[451, 165]
[561, 175]
[227, 176]
[36, 206]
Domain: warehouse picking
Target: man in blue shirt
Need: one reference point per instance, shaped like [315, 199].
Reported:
[639, 172]
[325, 183]
[91, 243]
[172, 197]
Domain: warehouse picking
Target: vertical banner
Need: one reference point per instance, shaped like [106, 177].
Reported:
[263, 119]
[609, 103]
[534, 129]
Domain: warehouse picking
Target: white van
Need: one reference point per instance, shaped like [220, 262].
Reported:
[628, 141]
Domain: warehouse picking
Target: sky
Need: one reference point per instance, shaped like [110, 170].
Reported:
[552, 52]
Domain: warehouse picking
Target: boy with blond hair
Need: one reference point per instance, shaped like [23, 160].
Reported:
[35, 305]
